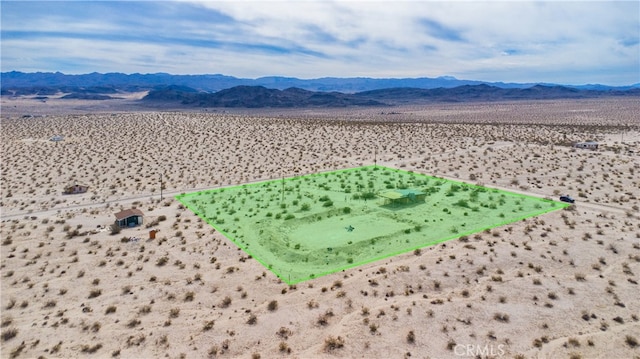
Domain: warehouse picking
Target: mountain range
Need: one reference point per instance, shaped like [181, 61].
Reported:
[217, 82]
[285, 92]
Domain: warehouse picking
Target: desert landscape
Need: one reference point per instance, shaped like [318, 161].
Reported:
[559, 285]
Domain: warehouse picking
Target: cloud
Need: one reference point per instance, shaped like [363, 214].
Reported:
[525, 41]
[440, 31]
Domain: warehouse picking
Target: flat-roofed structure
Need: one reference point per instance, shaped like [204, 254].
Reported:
[590, 145]
[402, 196]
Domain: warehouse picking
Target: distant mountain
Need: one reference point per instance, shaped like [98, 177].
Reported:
[258, 97]
[87, 96]
[485, 92]
[35, 83]
[285, 92]
[261, 97]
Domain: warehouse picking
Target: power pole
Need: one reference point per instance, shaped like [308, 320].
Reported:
[161, 186]
[375, 156]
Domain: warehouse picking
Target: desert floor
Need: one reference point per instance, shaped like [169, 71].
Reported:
[563, 284]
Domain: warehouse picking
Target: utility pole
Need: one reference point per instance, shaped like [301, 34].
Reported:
[375, 156]
[161, 186]
[282, 200]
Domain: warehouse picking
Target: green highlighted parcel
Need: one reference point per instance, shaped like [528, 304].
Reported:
[309, 226]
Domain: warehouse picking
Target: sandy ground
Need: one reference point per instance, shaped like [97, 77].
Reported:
[564, 284]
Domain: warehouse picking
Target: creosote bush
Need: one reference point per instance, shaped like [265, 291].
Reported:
[332, 343]
[273, 305]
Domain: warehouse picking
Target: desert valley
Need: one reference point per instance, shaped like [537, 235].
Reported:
[559, 285]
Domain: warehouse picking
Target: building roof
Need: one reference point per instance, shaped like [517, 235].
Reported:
[128, 213]
[400, 193]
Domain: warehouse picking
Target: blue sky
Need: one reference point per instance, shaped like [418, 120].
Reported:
[570, 42]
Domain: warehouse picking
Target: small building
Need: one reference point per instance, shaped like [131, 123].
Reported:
[589, 145]
[75, 189]
[403, 196]
[129, 218]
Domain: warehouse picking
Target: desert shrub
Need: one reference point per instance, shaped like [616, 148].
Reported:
[451, 344]
[273, 305]
[333, 343]
[208, 325]
[501, 317]
[6, 321]
[411, 337]
[226, 302]
[91, 348]
[162, 261]
[9, 334]
[174, 312]
[146, 309]
[50, 304]
[367, 195]
[284, 332]
[133, 323]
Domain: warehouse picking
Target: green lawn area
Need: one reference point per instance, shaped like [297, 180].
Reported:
[309, 226]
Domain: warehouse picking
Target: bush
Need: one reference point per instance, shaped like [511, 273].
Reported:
[411, 337]
[162, 261]
[208, 325]
[273, 305]
[226, 302]
[91, 349]
[346, 210]
[9, 334]
[367, 195]
[332, 343]
[328, 203]
[501, 317]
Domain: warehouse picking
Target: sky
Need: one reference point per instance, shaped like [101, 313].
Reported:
[567, 42]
